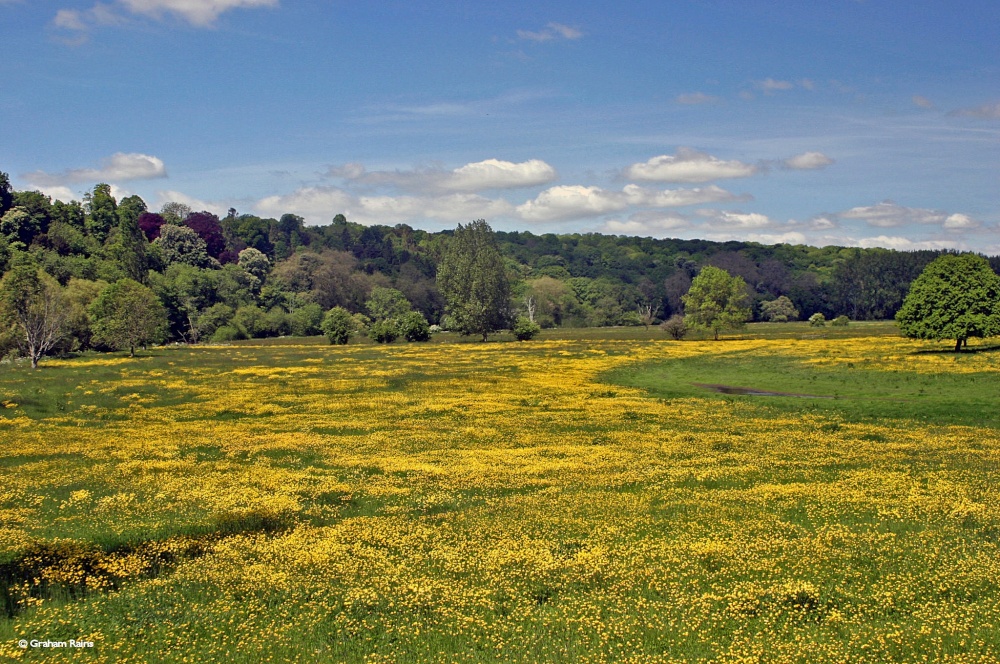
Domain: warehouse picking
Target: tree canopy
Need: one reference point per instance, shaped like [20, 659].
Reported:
[717, 301]
[473, 280]
[127, 314]
[955, 297]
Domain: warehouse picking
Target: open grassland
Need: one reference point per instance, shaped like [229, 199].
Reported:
[573, 499]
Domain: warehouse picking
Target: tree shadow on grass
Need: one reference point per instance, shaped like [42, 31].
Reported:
[965, 351]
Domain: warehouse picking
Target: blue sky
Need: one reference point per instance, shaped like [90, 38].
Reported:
[869, 123]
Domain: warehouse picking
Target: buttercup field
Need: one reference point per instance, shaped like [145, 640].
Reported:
[505, 502]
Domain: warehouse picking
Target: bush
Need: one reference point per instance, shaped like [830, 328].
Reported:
[384, 331]
[524, 329]
[414, 327]
[630, 319]
[675, 327]
[306, 320]
[817, 320]
[780, 310]
[840, 321]
[227, 333]
[338, 325]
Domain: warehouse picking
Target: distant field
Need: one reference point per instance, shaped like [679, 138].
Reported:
[580, 498]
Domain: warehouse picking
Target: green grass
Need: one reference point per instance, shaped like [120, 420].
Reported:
[856, 392]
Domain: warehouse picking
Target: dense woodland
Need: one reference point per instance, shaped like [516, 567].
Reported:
[243, 276]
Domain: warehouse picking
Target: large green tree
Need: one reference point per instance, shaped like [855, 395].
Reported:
[717, 301]
[102, 211]
[127, 314]
[473, 280]
[33, 302]
[955, 297]
[129, 249]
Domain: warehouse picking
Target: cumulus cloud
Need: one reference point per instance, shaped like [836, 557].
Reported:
[736, 220]
[476, 176]
[890, 215]
[196, 204]
[960, 221]
[571, 201]
[497, 174]
[550, 32]
[695, 98]
[576, 201]
[119, 166]
[808, 161]
[320, 204]
[984, 112]
[903, 244]
[648, 224]
[689, 166]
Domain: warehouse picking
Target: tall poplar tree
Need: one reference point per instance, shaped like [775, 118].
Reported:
[473, 280]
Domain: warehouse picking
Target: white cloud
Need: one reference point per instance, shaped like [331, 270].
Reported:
[888, 215]
[643, 197]
[808, 161]
[960, 221]
[576, 201]
[319, 204]
[477, 176]
[922, 102]
[789, 237]
[69, 19]
[59, 193]
[734, 220]
[689, 166]
[571, 201]
[648, 224]
[196, 204]
[903, 244]
[823, 223]
[550, 32]
[119, 166]
[497, 174]
[198, 13]
[985, 112]
[695, 98]
[770, 85]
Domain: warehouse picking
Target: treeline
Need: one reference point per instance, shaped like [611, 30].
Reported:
[243, 276]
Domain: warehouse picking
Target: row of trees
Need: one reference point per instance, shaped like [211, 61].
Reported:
[243, 276]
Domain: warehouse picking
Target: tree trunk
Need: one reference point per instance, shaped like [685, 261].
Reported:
[958, 345]
[131, 351]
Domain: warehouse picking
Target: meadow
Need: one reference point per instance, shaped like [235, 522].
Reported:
[578, 498]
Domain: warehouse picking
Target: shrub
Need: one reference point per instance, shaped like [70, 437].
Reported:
[338, 325]
[675, 327]
[227, 333]
[840, 321]
[780, 310]
[817, 320]
[524, 329]
[384, 331]
[414, 327]
[630, 319]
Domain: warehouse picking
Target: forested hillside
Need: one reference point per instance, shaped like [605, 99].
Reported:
[246, 276]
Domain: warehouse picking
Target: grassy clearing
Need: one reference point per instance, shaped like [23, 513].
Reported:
[506, 502]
